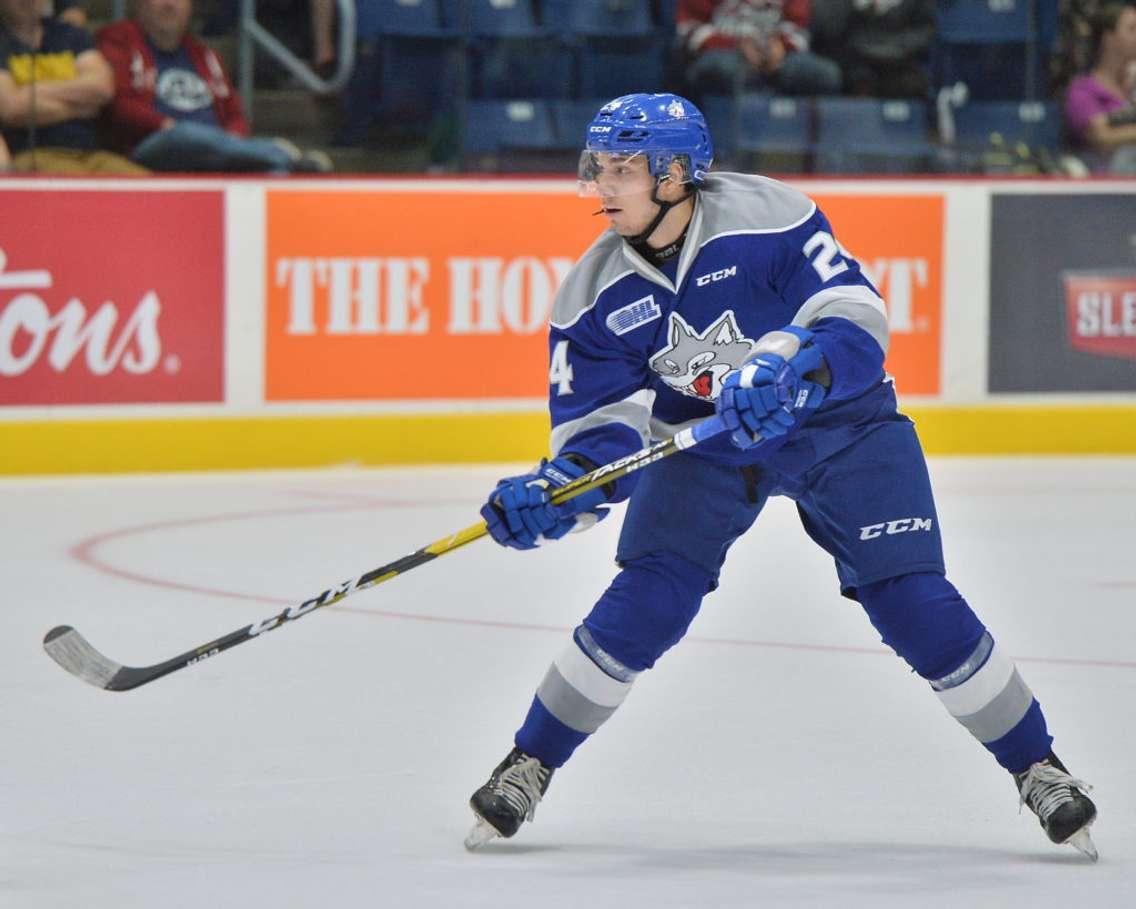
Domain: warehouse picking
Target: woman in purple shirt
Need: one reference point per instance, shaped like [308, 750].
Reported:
[1099, 105]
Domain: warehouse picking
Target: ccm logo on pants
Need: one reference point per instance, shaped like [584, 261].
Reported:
[899, 525]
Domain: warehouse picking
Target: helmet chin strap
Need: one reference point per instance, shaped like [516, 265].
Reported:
[664, 207]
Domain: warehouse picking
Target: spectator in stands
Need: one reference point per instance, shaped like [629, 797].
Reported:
[1100, 109]
[70, 11]
[881, 46]
[5, 156]
[738, 44]
[53, 82]
[1072, 53]
[322, 13]
[174, 108]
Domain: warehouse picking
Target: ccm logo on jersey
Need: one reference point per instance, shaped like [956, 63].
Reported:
[899, 525]
[703, 280]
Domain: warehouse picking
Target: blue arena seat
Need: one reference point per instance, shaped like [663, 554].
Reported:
[455, 17]
[996, 21]
[413, 18]
[719, 113]
[571, 118]
[398, 41]
[496, 126]
[992, 72]
[665, 14]
[521, 68]
[611, 68]
[998, 48]
[599, 18]
[868, 135]
[767, 123]
[1034, 123]
[501, 19]
[380, 92]
[418, 96]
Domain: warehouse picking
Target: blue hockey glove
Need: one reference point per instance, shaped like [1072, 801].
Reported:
[520, 515]
[776, 389]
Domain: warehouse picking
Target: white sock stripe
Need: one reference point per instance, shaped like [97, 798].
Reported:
[601, 657]
[587, 678]
[972, 665]
[565, 703]
[981, 688]
[1003, 713]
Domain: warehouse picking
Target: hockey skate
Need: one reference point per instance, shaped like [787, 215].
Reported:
[508, 799]
[1060, 803]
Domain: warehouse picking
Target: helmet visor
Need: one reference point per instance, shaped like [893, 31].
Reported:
[610, 175]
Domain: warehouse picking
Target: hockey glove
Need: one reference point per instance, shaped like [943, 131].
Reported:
[776, 389]
[520, 515]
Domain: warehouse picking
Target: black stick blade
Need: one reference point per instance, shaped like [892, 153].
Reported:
[72, 651]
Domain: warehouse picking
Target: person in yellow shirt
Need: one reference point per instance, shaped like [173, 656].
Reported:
[53, 82]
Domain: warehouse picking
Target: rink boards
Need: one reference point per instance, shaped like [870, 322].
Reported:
[198, 324]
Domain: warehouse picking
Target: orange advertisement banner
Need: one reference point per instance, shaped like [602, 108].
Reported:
[419, 293]
[898, 240]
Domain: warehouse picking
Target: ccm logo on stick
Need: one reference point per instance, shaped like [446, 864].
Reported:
[899, 525]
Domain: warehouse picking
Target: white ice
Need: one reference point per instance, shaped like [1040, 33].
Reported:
[778, 757]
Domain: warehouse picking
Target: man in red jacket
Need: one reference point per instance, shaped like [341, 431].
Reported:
[746, 44]
[174, 108]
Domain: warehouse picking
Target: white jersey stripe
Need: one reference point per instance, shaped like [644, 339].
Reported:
[633, 411]
[583, 309]
[855, 302]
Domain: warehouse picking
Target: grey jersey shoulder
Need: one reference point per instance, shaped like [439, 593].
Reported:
[601, 266]
[748, 203]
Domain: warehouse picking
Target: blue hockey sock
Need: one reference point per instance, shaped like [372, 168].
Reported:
[646, 610]
[923, 617]
[582, 688]
[546, 738]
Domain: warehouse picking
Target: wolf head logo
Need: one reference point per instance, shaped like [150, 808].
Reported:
[695, 364]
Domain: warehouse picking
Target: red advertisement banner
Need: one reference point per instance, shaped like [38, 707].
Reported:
[111, 297]
[1100, 312]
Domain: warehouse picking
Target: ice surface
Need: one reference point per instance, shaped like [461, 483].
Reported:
[779, 757]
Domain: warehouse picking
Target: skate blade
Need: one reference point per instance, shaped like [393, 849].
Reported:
[1083, 843]
[481, 834]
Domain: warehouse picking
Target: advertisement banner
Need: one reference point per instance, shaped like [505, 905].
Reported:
[415, 294]
[898, 241]
[1063, 293]
[1101, 312]
[425, 294]
[111, 297]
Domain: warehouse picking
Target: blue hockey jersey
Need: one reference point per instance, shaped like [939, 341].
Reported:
[637, 352]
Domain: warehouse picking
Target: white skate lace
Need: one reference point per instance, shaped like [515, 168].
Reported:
[520, 784]
[1045, 788]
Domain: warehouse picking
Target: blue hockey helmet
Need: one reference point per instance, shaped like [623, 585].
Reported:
[661, 127]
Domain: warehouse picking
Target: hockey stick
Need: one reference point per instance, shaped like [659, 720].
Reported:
[74, 653]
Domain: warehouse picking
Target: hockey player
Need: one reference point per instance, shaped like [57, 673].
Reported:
[726, 293]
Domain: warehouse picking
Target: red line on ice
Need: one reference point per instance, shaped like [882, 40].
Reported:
[84, 552]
